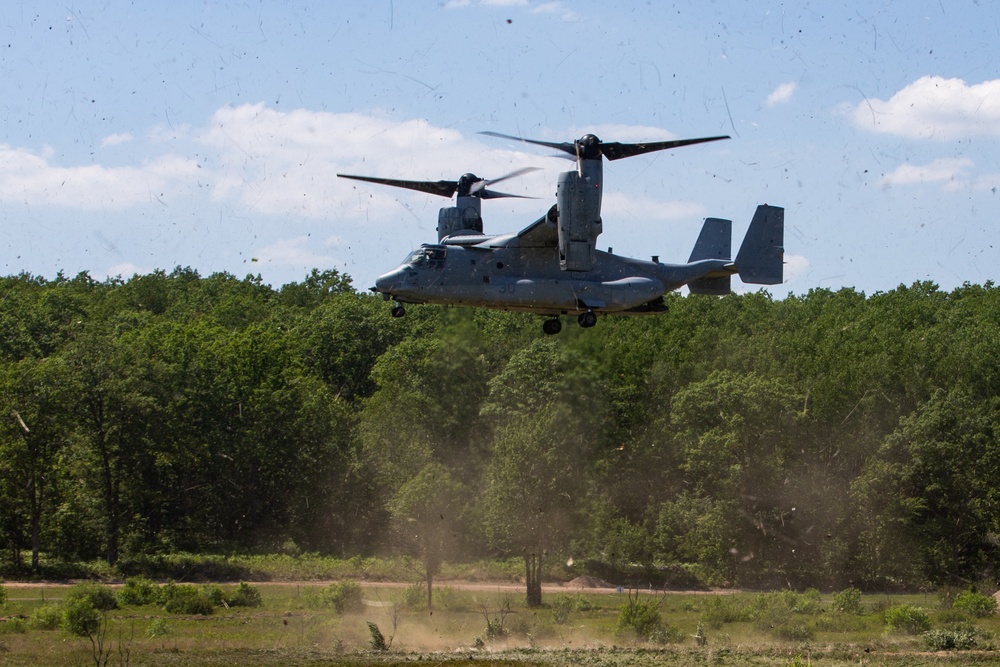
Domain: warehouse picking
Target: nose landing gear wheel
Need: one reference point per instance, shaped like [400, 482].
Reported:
[552, 326]
[587, 319]
[398, 311]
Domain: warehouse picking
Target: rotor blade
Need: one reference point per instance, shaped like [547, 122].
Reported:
[481, 185]
[440, 188]
[493, 194]
[525, 170]
[564, 147]
[616, 151]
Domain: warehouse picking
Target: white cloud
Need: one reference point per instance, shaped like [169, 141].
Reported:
[125, 271]
[254, 161]
[933, 107]
[30, 177]
[555, 7]
[286, 162]
[116, 139]
[782, 94]
[796, 266]
[943, 170]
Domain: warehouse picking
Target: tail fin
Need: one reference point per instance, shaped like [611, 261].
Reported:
[714, 242]
[760, 259]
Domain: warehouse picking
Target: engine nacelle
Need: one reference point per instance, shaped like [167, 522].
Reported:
[578, 198]
[465, 219]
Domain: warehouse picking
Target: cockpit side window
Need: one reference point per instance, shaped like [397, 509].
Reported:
[431, 257]
[435, 257]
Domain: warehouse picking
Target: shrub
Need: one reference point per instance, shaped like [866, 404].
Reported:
[245, 595]
[138, 591]
[496, 619]
[848, 601]
[667, 634]
[100, 596]
[769, 610]
[342, 596]
[215, 594]
[639, 618]
[794, 630]
[157, 628]
[561, 605]
[3, 595]
[414, 596]
[808, 602]
[907, 619]
[377, 641]
[446, 597]
[564, 603]
[975, 604]
[14, 625]
[186, 599]
[723, 609]
[80, 618]
[47, 617]
[950, 640]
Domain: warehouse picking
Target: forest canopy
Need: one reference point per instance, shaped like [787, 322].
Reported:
[827, 439]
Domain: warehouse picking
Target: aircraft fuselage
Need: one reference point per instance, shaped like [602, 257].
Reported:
[498, 273]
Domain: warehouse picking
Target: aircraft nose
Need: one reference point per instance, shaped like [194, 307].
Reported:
[388, 282]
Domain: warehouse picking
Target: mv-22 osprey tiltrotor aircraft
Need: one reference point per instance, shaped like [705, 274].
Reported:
[552, 267]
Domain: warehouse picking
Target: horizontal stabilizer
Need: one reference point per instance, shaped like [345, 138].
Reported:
[714, 286]
[760, 260]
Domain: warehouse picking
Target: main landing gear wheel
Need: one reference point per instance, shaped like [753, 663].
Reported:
[398, 311]
[587, 319]
[552, 326]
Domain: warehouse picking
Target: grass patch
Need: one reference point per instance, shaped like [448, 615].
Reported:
[289, 627]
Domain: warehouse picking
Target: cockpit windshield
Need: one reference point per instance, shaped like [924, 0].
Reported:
[430, 256]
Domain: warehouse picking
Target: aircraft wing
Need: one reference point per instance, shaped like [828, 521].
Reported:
[541, 233]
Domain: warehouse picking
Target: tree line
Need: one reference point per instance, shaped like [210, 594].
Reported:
[830, 439]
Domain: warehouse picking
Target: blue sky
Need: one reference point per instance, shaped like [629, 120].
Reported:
[146, 135]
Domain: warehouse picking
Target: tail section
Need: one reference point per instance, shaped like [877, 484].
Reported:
[760, 259]
[714, 242]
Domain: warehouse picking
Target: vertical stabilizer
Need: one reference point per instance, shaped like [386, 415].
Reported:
[714, 242]
[760, 260]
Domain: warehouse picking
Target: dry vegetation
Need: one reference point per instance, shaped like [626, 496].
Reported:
[319, 624]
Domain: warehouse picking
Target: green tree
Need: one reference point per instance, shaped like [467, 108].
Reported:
[698, 531]
[426, 407]
[427, 512]
[945, 461]
[545, 407]
[739, 435]
[34, 434]
[113, 402]
[342, 337]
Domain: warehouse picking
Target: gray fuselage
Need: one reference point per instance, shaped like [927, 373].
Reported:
[512, 273]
